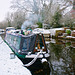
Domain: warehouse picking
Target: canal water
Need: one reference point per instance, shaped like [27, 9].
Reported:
[61, 61]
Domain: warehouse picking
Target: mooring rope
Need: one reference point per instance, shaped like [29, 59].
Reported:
[30, 63]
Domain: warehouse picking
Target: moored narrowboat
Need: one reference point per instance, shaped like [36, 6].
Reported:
[29, 48]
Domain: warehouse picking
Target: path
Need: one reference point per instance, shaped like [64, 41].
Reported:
[10, 66]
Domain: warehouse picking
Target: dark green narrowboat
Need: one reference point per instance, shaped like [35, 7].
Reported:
[28, 48]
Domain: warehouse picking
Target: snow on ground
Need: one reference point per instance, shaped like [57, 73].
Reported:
[41, 30]
[10, 66]
[53, 31]
[47, 31]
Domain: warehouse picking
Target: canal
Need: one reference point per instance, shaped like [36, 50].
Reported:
[61, 61]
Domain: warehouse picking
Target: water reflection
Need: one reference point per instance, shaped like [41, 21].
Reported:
[62, 57]
[40, 69]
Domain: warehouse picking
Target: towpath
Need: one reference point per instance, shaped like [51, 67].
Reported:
[10, 66]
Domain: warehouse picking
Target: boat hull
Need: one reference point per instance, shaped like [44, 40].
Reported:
[37, 62]
[28, 58]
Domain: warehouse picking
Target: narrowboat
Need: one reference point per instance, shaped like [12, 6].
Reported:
[29, 48]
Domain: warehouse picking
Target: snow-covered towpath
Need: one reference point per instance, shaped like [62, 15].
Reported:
[10, 66]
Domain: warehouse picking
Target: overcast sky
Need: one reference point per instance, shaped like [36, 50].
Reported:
[4, 8]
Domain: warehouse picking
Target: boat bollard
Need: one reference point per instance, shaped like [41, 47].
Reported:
[12, 55]
[43, 60]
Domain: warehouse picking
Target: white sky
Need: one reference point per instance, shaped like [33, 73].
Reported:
[4, 8]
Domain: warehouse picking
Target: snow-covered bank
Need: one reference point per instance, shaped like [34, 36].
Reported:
[53, 31]
[10, 66]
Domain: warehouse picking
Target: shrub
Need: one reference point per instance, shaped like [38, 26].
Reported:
[39, 24]
[68, 44]
[68, 31]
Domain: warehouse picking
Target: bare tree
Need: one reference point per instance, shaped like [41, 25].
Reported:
[18, 19]
[3, 24]
[9, 18]
[33, 6]
[28, 5]
[45, 8]
[15, 19]
[54, 6]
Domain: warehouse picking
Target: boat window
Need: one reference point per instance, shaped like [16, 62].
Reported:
[8, 38]
[26, 44]
[32, 43]
[12, 39]
[16, 42]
